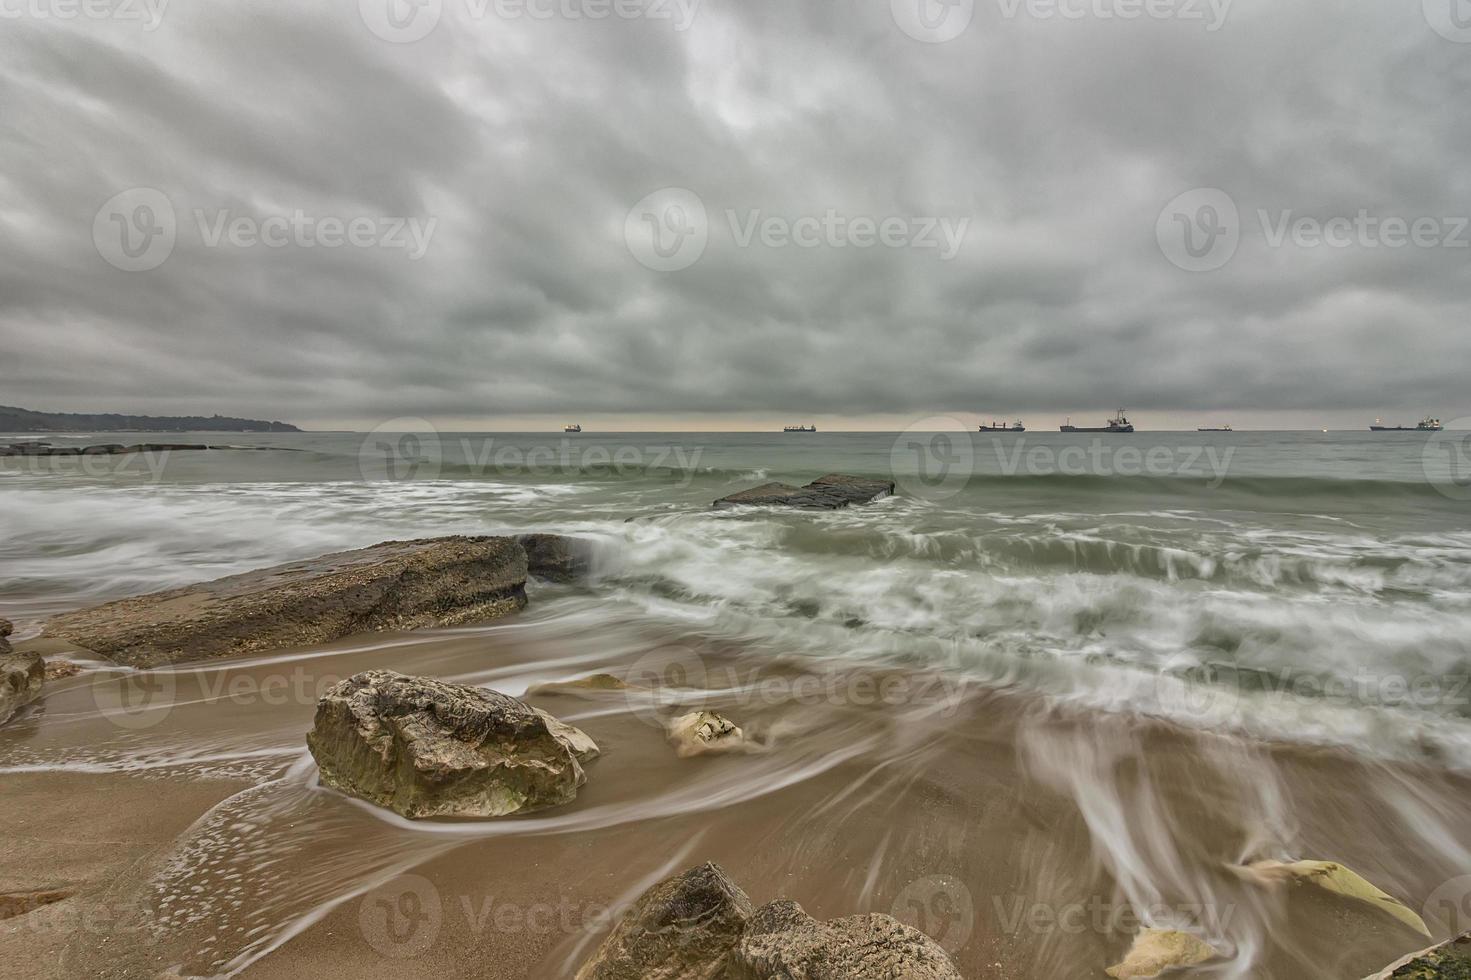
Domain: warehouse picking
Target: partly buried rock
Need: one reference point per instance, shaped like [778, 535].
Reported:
[683, 928]
[1338, 879]
[394, 585]
[1157, 950]
[699, 926]
[782, 942]
[21, 676]
[830, 492]
[704, 732]
[557, 557]
[1450, 960]
[424, 748]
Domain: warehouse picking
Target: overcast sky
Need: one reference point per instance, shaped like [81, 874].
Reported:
[993, 204]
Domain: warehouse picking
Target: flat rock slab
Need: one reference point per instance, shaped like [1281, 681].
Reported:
[397, 585]
[830, 492]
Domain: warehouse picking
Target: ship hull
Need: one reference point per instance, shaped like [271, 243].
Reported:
[1105, 428]
[1404, 428]
[1002, 428]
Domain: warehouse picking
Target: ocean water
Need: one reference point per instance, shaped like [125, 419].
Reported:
[1309, 587]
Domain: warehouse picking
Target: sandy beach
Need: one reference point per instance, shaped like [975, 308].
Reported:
[1030, 839]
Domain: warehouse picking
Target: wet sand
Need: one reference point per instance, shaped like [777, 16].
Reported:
[1028, 839]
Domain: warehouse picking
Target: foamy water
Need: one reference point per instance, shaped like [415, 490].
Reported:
[1316, 600]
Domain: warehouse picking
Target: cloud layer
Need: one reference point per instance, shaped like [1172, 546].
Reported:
[288, 140]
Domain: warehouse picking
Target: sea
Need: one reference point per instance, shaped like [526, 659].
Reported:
[1302, 585]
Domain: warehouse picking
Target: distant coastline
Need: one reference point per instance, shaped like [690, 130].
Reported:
[25, 420]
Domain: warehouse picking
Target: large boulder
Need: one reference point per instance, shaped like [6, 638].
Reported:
[557, 557]
[1451, 960]
[699, 926]
[683, 928]
[21, 676]
[829, 492]
[424, 748]
[782, 942]
[396, 585]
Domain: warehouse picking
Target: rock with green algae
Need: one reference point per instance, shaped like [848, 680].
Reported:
[1449, 961]
[1157, 950]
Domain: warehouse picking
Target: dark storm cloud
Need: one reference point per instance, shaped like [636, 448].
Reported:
[1053, 143]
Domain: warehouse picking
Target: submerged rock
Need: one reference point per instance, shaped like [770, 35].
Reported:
[424, 748]
[699, 926]
[829, 492]
[1334, 877]
[557, 557]
[1156, 950]
[683, 928]
[592, 684]
[394, 585]
[1451, 960]
[21, 675]
[702, 732]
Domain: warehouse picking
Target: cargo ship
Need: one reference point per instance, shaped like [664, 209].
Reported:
[1119, 423]
[571, 428]
[1003, 427]
[1215, 428]
[800, 428]
[1427, 424]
